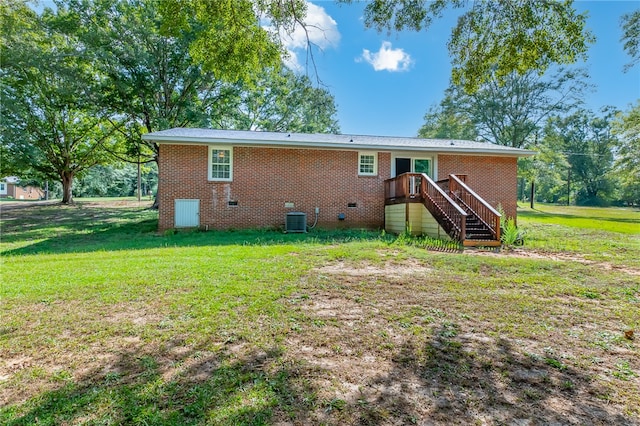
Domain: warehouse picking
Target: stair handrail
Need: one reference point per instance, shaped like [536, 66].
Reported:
[483, 210]
[447, 212]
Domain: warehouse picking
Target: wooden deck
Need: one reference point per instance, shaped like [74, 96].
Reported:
[447, 208]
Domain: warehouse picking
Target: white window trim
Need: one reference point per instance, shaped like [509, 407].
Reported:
[220, 147]
[412, 156]
[375, 163]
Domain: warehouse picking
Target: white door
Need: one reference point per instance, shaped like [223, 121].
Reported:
[187, 213]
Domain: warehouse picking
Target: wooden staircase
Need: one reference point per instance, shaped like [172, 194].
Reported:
[458, 210]
[476, 230]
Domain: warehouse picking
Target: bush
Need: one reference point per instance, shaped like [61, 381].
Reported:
[510, 236]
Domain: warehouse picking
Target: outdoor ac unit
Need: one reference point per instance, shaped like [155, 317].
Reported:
[296, 222]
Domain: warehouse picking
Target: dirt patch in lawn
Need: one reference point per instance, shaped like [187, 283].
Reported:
[396, 351]
[408, 267]
[555, 256]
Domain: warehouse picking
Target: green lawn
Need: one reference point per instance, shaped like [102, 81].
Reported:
[103, 321]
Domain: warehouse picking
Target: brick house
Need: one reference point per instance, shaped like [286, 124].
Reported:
[11, 188]
[244, 179]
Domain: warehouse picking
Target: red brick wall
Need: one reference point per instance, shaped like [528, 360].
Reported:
[493, 178]
[23, 193]
[264, 179]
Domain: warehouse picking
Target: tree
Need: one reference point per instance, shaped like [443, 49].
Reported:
[115, 180]
[588, 143]
[51, 126]
[627, 127]
[631, 37]
[495, 38]
[286, 102]
[513, 113]
[445, 121]
[229, 39]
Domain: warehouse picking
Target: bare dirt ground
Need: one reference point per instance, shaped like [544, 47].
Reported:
[393, 353]
[558, 257]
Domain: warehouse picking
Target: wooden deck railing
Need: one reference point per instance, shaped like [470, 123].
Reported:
[420, 187]
[467, 197]
[403, 188]
[444, 183]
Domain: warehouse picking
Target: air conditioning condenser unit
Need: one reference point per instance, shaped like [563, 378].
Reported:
[296, 222]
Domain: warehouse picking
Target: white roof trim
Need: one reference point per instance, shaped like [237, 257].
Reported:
[329, 141]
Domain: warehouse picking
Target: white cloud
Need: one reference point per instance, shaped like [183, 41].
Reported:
[321, 32]
[386, 58]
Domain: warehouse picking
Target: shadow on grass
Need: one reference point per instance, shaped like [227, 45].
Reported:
[193, 388]
[459, 384]
[64, 229]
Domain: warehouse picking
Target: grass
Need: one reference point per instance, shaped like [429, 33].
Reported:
[594, 233]
[103, 321]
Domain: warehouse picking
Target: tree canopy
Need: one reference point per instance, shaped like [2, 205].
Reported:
[627, 128]
[229, 39]
[588, 143]
[286, 102]
[509, 114]
[495, 38]
[631, 37]
[51, 122]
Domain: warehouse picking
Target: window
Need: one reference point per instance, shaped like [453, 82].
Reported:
[367, 164]
[422, 165]
[220, 163]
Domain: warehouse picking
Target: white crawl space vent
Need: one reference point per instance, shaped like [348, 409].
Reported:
[296, 222]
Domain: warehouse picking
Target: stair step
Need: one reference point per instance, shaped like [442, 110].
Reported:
[478, 237]
[487, 243]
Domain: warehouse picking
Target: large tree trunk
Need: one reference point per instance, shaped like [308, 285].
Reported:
[67, 185]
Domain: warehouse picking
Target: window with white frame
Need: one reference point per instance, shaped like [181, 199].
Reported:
[367, 164]
[3, 188]
[221, 163]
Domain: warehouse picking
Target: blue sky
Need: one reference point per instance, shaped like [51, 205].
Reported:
[384, 83]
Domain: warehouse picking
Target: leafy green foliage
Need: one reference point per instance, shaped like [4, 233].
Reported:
[511, 112]
[446, 122]
[285, 102]
[229, 40]
[510, 234]
[588, 143]
[52, 122]
[116, 180]
[145, 66]
[627, 128]
[494, 39]
[152, 83]
[631, 37]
